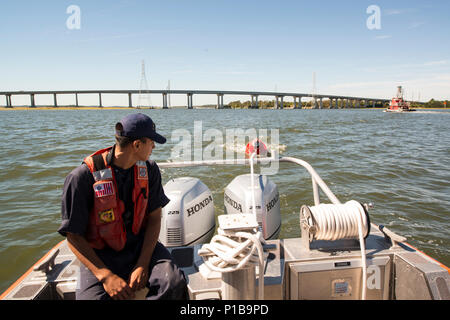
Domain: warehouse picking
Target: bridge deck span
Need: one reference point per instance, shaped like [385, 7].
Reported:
[189, 93]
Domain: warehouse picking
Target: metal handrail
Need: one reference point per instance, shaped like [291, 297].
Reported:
[315, 178]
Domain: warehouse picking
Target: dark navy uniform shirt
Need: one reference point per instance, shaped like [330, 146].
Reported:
[78, 199]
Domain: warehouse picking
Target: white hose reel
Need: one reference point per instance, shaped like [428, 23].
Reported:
[334, 222]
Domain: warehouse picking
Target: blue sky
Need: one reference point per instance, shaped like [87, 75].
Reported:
[227, 45]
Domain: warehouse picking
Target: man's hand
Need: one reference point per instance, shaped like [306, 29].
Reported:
[138, 278]
[117, 288]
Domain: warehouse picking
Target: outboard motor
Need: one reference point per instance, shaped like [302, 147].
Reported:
[238, 199]
[189, 216]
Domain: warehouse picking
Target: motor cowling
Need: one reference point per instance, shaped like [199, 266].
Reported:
[238, 199]
[189, 216]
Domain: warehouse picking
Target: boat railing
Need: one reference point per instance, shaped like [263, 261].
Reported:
[315, 178]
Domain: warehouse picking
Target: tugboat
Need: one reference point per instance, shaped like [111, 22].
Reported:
[398, 104]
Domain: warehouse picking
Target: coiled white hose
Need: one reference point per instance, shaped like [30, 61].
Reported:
[229, 251]
[343, 221]
[232, 250]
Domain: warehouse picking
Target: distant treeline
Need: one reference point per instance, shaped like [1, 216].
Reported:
[432, 104]
[270, 104]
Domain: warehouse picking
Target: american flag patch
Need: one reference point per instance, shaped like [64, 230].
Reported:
[103, 189]
[141, 169]
[142, 172]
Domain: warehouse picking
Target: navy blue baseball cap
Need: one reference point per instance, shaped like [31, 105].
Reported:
[138, 125]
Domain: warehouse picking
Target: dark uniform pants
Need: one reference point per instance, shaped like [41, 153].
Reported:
[166, 280]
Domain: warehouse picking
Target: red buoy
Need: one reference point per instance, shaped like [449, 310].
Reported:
[256, 146]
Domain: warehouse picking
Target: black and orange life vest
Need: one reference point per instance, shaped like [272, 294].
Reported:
[106, 224]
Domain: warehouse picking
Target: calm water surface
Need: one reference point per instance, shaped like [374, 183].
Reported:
[399, 162]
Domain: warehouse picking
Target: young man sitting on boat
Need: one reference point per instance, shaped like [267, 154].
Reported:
[111, 215]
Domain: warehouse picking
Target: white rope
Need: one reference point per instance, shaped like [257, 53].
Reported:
[232, 250]
[343, 221]
[229, 251]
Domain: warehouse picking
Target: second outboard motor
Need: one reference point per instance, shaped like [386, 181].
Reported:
[189, 216]
[238, 199]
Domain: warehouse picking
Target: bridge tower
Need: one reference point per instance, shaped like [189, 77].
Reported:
[168, 94]
[143, 87]
[314, 101]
